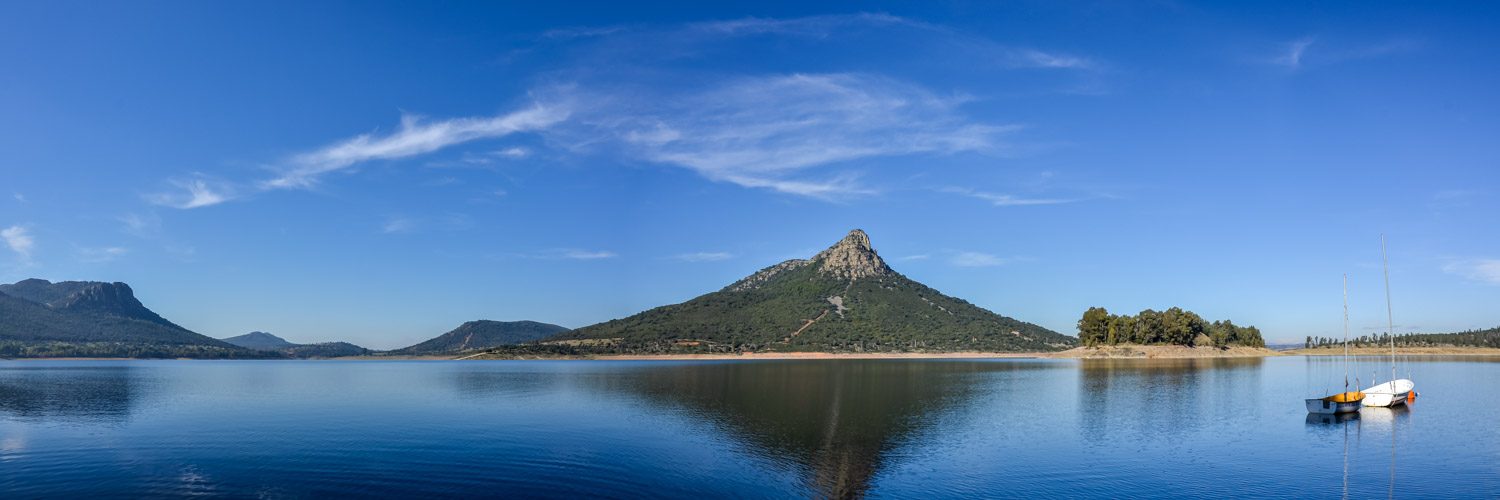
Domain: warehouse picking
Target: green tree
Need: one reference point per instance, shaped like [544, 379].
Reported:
[1121, 329]
[1093, 328]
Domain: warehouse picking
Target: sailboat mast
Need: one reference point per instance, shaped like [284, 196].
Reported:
[1346, 333]
[1389, 318]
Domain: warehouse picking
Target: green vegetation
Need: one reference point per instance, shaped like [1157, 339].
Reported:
[1468, 338]
[52, 349]
[260, 341]
[323, 350]
[483, 334]
[1173, 326]
[882, 313]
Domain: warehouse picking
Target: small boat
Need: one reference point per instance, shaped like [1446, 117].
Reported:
[1397, 391]
[1344, 402]
[1391, 393]
[1337, 403]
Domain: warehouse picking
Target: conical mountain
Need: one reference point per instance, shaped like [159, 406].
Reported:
[260, 341]
[482, 334]
[843, 299]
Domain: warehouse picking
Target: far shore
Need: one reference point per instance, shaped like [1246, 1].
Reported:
[782, 355]
[1400, 351]
[1100, 352]
[1165, 351]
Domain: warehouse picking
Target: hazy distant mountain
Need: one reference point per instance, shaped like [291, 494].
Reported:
[843, 299]
[484, 333]
[261, 341]
[36, 310]
[324, 350]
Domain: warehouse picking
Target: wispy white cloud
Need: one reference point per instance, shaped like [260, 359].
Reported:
[142, 226]
[587, 255]
[704, 256]
[567, 253]
[974, 48]
[198, 192]
[19, 197]
[1041, 59]
[513, 153]
[413, 138]
[1294, 54]
[20, 241]
[100, 255]
[795, 133]
[398, 225]
[1006, 200]
[449, 222]
[923, 256]
[761, 132]
[1291, 55]
[977, 259]
[1482, 270]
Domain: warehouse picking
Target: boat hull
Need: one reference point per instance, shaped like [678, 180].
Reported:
[1388, 394]
[1337, 403]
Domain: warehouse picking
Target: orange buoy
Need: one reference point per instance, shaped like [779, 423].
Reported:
[1411, 397]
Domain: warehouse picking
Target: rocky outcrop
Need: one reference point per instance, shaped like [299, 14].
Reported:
[93, 297]
[763, 276]
[852, 258]
[110, 298]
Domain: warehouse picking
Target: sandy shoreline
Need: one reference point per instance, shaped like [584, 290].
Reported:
[1164, 351]
[1104, 352]
[795, 355]
[1400, 351]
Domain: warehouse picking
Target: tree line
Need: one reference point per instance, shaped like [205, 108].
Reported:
[1469, 338]
[1173, 326]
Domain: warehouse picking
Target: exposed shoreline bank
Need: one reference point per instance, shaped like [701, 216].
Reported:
[1103, 352]
[1400, 351]
[779, 355]
[1164, 351]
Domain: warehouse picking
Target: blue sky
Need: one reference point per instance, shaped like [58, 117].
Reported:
[381, 172]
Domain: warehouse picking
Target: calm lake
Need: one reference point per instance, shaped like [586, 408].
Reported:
[696, 429]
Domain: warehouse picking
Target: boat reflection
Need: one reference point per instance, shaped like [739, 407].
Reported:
[1332, 418]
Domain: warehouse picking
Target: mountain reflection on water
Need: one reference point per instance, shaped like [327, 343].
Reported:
[836, 421]
[97, 394]
[1177, 428]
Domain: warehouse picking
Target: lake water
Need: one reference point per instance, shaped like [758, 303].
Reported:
[758, 429]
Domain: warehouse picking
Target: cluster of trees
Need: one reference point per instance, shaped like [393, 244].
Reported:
[1172, 326]
[1468, 338]
[19, 349]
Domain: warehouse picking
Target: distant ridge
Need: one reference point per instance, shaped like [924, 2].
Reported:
[261, 341]
[844, 299]
[482, 334]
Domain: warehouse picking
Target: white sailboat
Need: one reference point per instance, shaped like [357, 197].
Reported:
[1344, 402]
[1396, 391]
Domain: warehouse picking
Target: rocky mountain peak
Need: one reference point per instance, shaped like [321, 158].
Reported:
[852, 258]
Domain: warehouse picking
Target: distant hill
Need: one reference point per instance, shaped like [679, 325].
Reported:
[324, 350]
[843, 299]
[260, 341]
[94, 319]
[482, 334]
